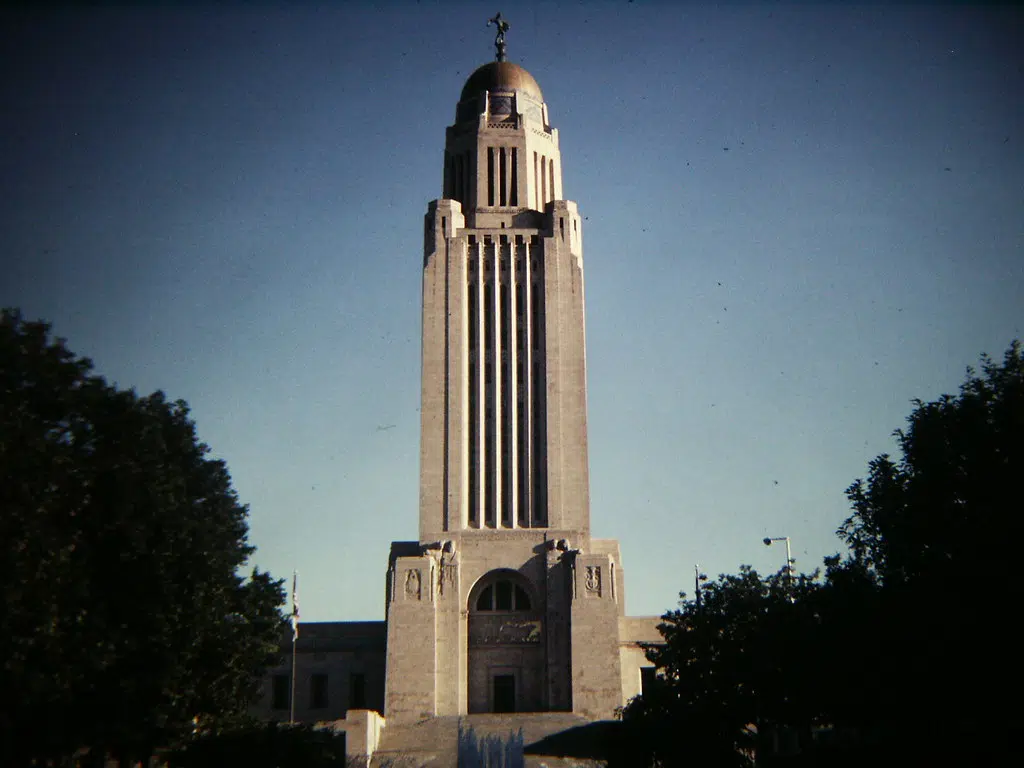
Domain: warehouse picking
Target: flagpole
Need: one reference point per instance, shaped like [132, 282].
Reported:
[295, 637]
[696, 583]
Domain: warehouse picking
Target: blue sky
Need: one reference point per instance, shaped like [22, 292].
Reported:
[798, 219]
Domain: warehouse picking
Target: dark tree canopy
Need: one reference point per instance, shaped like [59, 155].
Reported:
[905, 646]
[952, 501]
[122, 613]
[266, 745]
[730, 662]
[938, 530]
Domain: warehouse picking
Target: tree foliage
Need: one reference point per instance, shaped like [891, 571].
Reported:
[949, 502]
[123, 616]
[264, 745]
[901, 643]
[726, 667]
[938, 529]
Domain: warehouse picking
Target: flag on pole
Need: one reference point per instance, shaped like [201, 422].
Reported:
[295, 606]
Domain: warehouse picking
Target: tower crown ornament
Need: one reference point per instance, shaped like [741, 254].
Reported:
[499, 38]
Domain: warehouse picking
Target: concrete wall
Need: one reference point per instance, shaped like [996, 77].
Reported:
[633, 631]
[340, 650]
[363, 730]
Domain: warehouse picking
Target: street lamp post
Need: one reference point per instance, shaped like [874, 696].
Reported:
[789, 560]
[698, 577]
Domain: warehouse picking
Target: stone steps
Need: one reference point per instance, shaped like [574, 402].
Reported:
[431, 742]
[434, 742]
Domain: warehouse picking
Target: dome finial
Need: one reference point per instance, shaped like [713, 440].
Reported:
[499, 38]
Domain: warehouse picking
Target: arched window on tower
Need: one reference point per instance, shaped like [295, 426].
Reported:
[503, 595]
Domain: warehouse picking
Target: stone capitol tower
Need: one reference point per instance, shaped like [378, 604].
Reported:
[504, 613]
[505, 603]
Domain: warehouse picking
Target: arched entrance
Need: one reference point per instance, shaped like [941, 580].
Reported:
[506, 650]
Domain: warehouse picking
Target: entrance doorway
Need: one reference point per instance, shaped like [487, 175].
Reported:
[505, 664]
[504, 693]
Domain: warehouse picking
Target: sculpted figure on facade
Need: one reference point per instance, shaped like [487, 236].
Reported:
[413, 585]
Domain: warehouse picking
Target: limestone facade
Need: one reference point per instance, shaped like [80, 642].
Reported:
[504, 603]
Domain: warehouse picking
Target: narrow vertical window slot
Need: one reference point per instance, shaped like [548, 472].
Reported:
[514, 187]
[536, 184]
[502, 178]
[522, 379]
[507, 391]
[538, 420]
[490, 175]
[490, 441]
[543, 182]
[551, 170]
[474, 385]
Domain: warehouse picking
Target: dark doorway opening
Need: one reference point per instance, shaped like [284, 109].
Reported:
[504, 693]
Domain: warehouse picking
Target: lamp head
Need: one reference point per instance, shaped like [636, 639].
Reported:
[767, 542]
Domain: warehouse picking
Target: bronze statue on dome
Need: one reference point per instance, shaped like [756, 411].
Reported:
[499, 38]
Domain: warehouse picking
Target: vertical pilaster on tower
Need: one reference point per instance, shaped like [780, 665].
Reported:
[558, 651]
[596, 672]
[568, 486]
[443, 364]
[410, 686]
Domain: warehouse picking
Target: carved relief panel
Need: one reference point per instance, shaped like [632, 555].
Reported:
[592, 581]
[504, 630]
[414, 584]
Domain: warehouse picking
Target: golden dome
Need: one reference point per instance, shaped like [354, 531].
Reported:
[501, 76]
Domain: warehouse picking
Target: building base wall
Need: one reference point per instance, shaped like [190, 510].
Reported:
[596, 664]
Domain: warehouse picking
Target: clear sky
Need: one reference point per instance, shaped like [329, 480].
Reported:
[798, 219]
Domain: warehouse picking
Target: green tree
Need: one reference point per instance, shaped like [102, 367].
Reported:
[733, 663]
[906, 644]
[952, 501]
[123, 614]
[938, 530]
